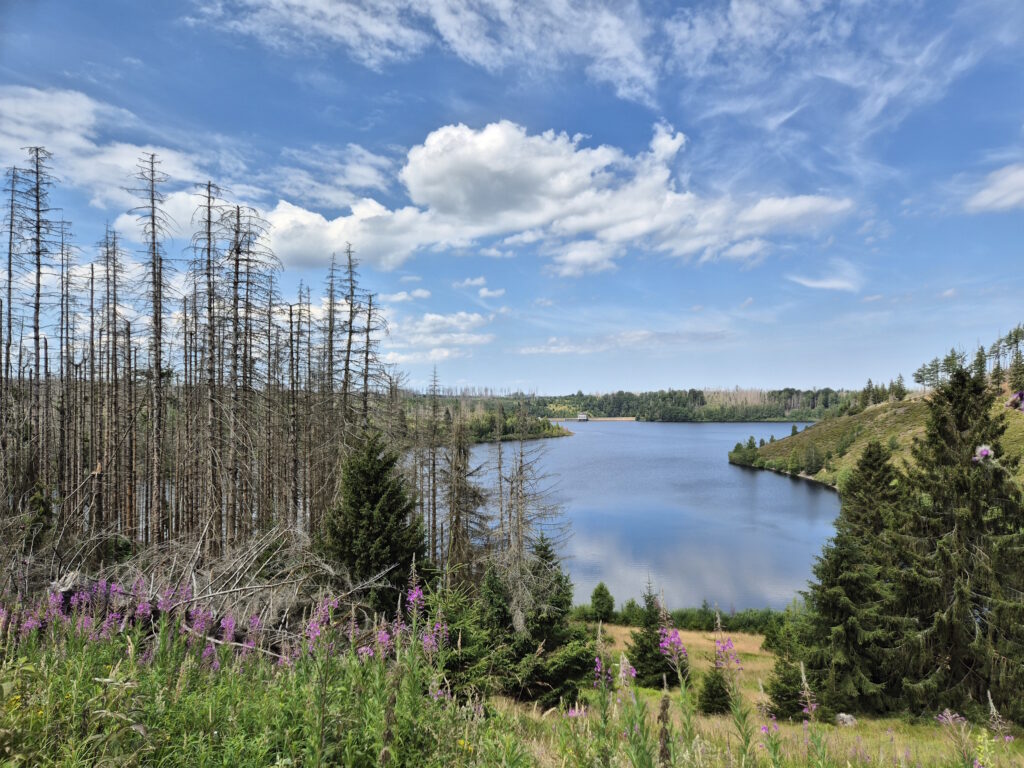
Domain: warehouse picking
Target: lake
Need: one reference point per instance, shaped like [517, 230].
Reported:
[662, 501]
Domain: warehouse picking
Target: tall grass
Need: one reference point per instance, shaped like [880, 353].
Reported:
[113, 676]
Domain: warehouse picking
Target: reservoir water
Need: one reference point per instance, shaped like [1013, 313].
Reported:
[661, 501]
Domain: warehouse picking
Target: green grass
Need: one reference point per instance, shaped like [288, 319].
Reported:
[70, 700]
[894, 424]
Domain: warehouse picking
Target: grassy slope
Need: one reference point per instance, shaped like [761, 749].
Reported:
[881, 741]
[904, 421]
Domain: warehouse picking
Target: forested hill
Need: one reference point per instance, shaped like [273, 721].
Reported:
[828, 451]
[683, 404]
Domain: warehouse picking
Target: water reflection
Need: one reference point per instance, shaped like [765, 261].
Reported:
[661, 500]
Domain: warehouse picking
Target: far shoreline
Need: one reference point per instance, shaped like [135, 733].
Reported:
[594, 418]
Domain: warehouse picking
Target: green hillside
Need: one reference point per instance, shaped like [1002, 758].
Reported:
[828, 450]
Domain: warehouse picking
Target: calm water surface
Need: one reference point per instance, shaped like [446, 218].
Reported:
[661, 500]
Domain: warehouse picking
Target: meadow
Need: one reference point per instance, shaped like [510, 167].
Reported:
[131, 676]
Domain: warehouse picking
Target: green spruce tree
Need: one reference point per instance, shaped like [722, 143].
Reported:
[602, 603]
[644, 649]
[1015, 373]
[850, 623]
[375, 527]
[962, 578]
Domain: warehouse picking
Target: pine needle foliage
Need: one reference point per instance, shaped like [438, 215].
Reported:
[374, 527]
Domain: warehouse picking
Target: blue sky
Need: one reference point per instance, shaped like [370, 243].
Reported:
[577, 194]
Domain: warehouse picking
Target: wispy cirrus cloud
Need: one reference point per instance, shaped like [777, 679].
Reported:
[609, 41]
[840, 276]
[1002, 190]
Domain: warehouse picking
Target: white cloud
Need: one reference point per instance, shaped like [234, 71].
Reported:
[403, 296]
[410, 279]
[470, 282]
[801, 211]
[488, 293]
[743, 251]
[949, 293]
[842, 276]
[747, 302]
[1003, 190]
[584, 206]
[459, 329]
[69, 124]
[610, 40]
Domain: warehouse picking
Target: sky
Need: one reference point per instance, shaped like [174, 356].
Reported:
[575, 194]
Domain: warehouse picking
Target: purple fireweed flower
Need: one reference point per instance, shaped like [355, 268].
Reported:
[435, 638]
[210, 657]
[81, 600]
[30, 623]
[414, 598]
[166, 600]
[1017, 401]
[365, 652]
[227, 625]
[84, 625]
[982, 454]
[55, 607]
[671, 645]
[577, 711]
[112, 619]
[143, 610]
[254, 623]
[383, 641]
[726, 656]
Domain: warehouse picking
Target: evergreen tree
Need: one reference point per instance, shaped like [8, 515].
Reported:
[963, 571]
[715, 696]
[1015, 373]
[550, 658]
[813, 460]
[602, 603]
[851, 595]
[899, 389]
[980, 365]
[998, 375]
[644, 649]
[866, 394]
[374, 527]
[794, 464]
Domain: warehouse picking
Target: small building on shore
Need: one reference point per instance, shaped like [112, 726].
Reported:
[582, 417]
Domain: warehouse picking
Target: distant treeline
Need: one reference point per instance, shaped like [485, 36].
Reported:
[760, 621]
[688, 404]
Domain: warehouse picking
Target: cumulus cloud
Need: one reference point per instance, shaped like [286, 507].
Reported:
[489, 293]
[582, 206]
[841, 276]
[470, 282]
[433, 337]
[1003, 190]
